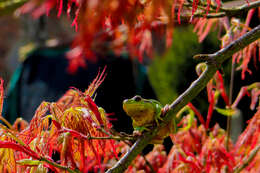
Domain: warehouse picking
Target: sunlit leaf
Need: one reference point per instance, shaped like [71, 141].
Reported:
[28, 162]
[9, 6]
[226, 112]
[7, 160]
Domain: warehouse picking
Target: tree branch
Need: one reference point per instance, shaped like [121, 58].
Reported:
[194, 89]
[244, 7]
[223, 10]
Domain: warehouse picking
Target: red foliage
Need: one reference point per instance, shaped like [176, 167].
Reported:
[17, 147]
[128, 25]
[117, 24]
[214, 87]
[156, 159]
[185, 155]
[76, 122]
[200, 117]
[220, 86]
[79, 131]
[255, 92]
[234, 29]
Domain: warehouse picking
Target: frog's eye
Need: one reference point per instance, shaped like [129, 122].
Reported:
[137, 98]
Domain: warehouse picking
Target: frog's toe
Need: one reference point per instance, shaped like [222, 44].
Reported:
[137, 133]
[161, 119]
[157, 121]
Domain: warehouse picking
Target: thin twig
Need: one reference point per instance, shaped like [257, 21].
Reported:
[58, 165]
[209, 16]
[229, 118]
[88, 137]
[106, 137]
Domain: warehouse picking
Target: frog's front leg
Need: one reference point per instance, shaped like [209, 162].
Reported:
[157, 118]
[160, 114]
[139, 130]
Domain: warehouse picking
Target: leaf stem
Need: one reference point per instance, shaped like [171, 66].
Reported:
[229, 118]
[6, 122]
[58, 165]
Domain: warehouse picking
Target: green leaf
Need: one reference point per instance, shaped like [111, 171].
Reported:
[28, 162]
[226, 112]
[9, 6]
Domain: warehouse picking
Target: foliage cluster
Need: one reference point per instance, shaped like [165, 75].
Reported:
[74, 134]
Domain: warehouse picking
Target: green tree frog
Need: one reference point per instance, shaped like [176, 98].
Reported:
[144, 114]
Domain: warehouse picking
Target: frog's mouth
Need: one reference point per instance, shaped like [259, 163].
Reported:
[137, 110]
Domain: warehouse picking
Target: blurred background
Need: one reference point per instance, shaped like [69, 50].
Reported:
[34, 66]
[19, 36]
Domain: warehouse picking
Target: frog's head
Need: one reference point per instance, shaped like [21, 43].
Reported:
[138, 106]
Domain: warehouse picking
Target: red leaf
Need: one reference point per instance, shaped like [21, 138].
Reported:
[99, 159]
[96, 82]
[254, 97]
[222, 88]
[194, 8]
[191, 163]
[82, 156]
[202, 121]
[196, 139]
[243, 91]
[76, 60]
[112, 143]
[57, 124]
[74, 133]
[17, 147]
[179, 11]
[52, 168]
[211, 105]
[60, 8]
[208, 6]
[208, 162]
[94, 109]
[248, 19]
[219, 4]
